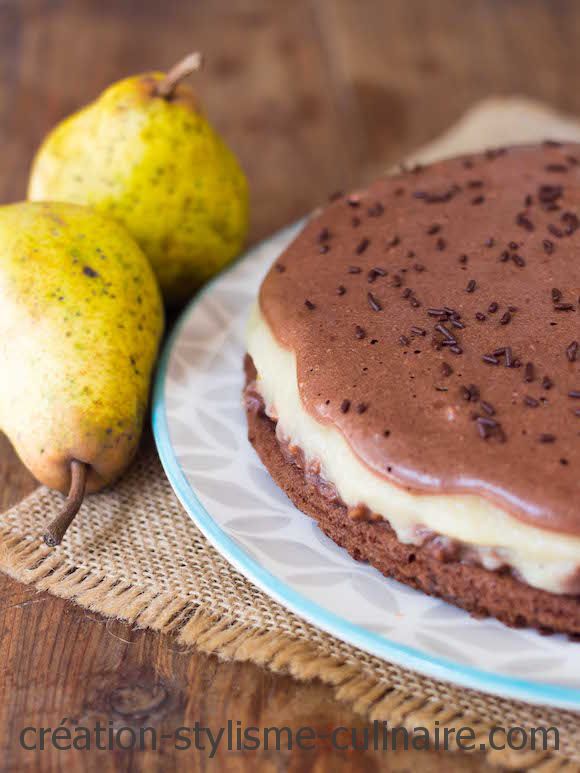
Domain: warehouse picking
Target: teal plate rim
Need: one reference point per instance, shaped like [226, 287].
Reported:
[401, 654]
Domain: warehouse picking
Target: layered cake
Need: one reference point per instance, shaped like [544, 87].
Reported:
[413, 380]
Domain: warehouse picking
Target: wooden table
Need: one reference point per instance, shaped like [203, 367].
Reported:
[313, 96]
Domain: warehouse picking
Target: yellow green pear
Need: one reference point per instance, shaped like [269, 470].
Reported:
[80, 322]
[144, 154]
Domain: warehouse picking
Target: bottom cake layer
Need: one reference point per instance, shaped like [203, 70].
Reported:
[477, 590]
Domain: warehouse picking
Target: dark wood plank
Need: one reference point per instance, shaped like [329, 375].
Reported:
[60, 661]
[412, 68]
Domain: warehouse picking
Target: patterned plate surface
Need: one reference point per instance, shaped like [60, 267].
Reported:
[200, 432]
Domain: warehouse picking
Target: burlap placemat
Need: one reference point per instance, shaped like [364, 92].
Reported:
[133, 553]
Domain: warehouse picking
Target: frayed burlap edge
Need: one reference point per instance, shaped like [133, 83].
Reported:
[31, 562]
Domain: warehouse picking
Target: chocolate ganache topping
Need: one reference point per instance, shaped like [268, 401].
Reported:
[435, 319]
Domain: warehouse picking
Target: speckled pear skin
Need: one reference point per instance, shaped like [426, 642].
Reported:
[157, 166]
[81, 317]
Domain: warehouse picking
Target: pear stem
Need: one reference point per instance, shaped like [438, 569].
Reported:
[181, 70]
[56, 530]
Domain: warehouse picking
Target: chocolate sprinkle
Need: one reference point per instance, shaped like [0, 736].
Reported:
[572, 351]
[309, 305]
[375, 272]
[548, 194]
[374, 303]
[471, 285]
[488, 428]
[529, 372]
[524, 221]
[376, 210]
[344, 406]
[447, 334]
[361, 246]
[548, 246]
[470, 393]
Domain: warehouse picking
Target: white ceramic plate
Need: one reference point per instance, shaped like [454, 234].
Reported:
[200, 430]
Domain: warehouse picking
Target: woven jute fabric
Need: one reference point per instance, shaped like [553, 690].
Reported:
[133, 553]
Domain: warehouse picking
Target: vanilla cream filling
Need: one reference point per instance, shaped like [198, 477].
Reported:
[543, 559]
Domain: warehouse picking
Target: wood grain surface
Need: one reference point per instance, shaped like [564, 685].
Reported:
[313, 95]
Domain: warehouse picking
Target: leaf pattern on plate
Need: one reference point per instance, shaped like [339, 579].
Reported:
[217, 429]
[257, 524]
[229, 493]
[192, 463]
[183, 434]
[375, 591]
[322, 579]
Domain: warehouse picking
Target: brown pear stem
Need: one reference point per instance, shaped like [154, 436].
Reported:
[181, 70]
[56, 530]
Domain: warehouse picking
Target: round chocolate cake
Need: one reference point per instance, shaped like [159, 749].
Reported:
[413, 379]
